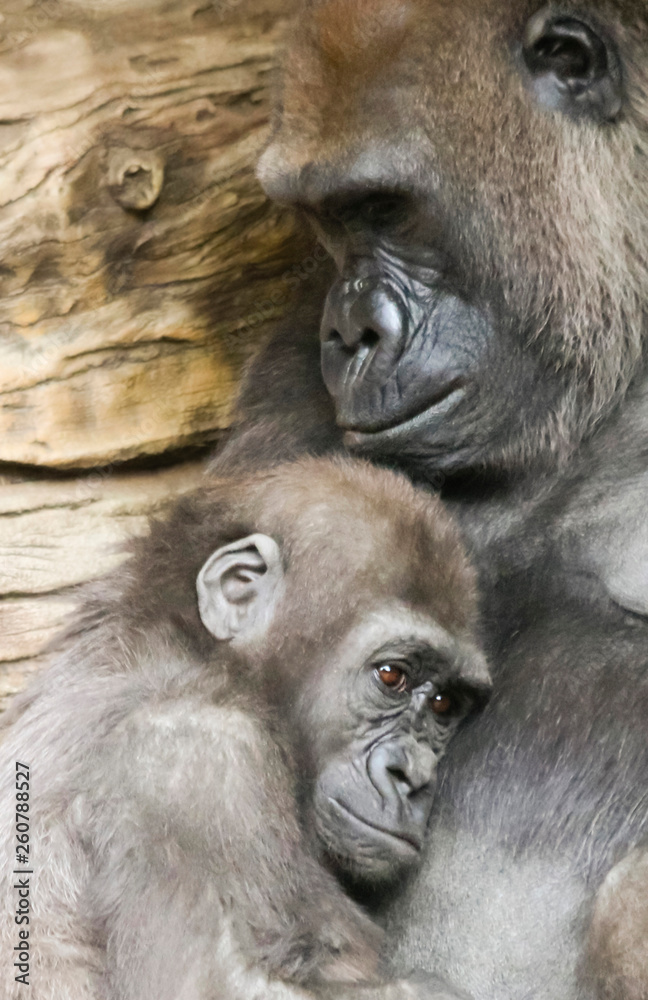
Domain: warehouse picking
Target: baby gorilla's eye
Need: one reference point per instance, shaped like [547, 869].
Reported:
[392, 677]
[441, 704]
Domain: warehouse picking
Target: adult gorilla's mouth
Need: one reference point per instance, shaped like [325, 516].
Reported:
[403, 841]
[368, 438]
[396, 358]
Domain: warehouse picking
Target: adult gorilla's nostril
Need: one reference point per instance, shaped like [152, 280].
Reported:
[375, 317]
[335, 340]
[369, 339]
[360, 320]
[363, 334]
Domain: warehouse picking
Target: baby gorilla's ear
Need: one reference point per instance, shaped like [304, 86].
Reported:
[239, 587]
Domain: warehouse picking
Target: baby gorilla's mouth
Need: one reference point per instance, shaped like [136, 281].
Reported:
[403, 842]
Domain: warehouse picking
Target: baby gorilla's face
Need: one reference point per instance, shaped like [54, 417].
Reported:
[379, 715]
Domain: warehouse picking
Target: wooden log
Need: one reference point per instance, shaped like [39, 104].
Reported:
[140, 265]
[57, 535]
[139, 261]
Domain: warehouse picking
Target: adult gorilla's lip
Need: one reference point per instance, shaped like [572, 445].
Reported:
[407, 840]
[405, 428]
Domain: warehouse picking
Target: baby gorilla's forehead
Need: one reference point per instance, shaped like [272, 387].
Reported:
[374, 627]
[390, 555]
[352, 532]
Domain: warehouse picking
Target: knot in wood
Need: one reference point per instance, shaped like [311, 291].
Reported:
[135, 177]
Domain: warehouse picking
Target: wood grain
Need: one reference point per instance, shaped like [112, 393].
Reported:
[57, 535]
[140, 263]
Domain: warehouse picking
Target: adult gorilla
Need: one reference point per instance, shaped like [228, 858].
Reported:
[479, 175]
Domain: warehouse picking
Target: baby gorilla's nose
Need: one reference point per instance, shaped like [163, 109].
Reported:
[402, 771]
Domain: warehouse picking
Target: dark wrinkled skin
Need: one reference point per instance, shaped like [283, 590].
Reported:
[482, 327]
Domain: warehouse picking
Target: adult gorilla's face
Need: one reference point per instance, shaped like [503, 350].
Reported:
[478, 174]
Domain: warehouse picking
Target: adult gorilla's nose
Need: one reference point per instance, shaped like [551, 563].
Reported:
[360, 314]
[363, 330]
[388, 354]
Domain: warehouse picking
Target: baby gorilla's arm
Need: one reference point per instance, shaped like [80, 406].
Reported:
[203, 881]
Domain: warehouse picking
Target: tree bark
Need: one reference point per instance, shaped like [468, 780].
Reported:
[140, 265]
[57, 535]
[139, 261]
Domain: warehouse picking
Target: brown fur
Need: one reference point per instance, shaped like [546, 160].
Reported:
[562, 237]
[403, 541]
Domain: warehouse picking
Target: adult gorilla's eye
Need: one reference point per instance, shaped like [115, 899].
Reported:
[573, 66]
[571, 52]
[380, 210]
[392, 677]
[441, 704]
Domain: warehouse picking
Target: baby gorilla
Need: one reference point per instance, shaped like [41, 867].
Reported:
[255, 703]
